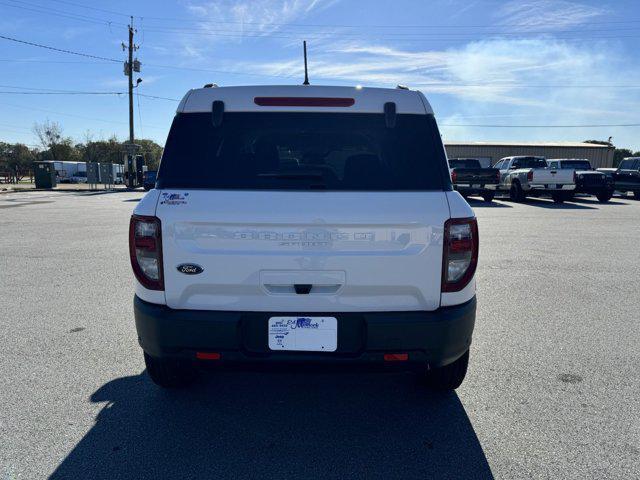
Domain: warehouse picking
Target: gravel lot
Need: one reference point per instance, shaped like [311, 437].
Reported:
[553, 389]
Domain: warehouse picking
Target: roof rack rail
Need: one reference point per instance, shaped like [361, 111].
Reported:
[402, 87]
[210, 85]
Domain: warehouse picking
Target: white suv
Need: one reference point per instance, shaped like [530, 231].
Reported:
[304, 224]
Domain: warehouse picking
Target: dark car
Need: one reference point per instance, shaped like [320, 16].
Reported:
[626, 176]
[470, 178]
[588, 180]
[149, 179]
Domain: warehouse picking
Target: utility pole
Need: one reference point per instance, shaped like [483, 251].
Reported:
[131, 66]
[130, 74]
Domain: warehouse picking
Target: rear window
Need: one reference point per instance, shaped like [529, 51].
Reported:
[466, 163]
[628, 164]
[576, 164]
[279, 151]
[530, 162]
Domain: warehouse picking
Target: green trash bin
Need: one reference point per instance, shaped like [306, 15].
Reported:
[45, 174]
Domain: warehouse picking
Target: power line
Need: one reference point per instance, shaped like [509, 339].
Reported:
[541, 126]
[103, 10]
[61, 50]
[76, 116]
[58, 13]
[157, 97]
[63, 93]
[139, 114]
[261, 32]
[306, 25]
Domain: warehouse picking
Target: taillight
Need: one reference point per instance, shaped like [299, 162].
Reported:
[460, 253]
[454, 176]
[530, 175]
[145, 251]
[498, 176]
[574, 176]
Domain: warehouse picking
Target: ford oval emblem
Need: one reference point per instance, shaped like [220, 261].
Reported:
[190, 269]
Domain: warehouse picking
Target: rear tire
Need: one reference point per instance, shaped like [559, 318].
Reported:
[488, 197]
[604, 197]
[516, 193]
[450, 376]
[636, 194]
[558, 197]
[169, 372]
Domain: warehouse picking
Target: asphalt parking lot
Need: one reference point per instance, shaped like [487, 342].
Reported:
[552, 391]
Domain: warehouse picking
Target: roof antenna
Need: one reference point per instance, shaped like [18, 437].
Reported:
[306, 74]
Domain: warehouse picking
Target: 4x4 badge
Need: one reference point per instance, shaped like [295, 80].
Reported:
[190, 269]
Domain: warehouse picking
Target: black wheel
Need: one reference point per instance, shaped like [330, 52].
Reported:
[488, 196]
[604, 197]
[636, 194]
[558, 197]
[450, 376]
[169, 372]
[516, 193]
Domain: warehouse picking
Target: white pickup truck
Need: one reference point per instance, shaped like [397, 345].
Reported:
[526, 177]
[304, 224]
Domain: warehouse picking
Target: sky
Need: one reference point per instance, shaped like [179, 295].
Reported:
[515, 70]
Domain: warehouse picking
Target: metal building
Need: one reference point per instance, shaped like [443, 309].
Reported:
[489, 153]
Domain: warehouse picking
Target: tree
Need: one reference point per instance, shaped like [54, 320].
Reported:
[106, 151]
[619, 154]
[54, 145]
[16, 160]
[152, 153]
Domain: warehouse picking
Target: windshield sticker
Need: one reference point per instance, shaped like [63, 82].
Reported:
[174, 199]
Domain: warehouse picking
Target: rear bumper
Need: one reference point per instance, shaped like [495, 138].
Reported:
[436, 338]
[550, 187]
[594, 189]
[470, 190]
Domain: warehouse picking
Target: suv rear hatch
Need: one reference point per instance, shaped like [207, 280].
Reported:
[303, 212]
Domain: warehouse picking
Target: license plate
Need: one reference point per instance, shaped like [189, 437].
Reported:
[475, 186]
[304, 334]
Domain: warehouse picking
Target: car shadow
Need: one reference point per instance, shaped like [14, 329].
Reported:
[132, 200]
[482, 204]
[593, 201]
[277, 425]
[548, 203]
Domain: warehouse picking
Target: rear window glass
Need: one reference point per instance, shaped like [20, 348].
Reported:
[576, 164]
[628, 164]
[466, 163]
[278, 151]
[530, 162]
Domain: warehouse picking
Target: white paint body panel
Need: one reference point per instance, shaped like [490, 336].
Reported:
[362, 251]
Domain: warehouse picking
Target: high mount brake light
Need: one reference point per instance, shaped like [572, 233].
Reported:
[303, 101]
[145, 251]
[459, 254]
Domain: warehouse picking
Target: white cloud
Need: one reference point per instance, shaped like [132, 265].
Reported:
[550, 14]
[229, 20]
[486, 79]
